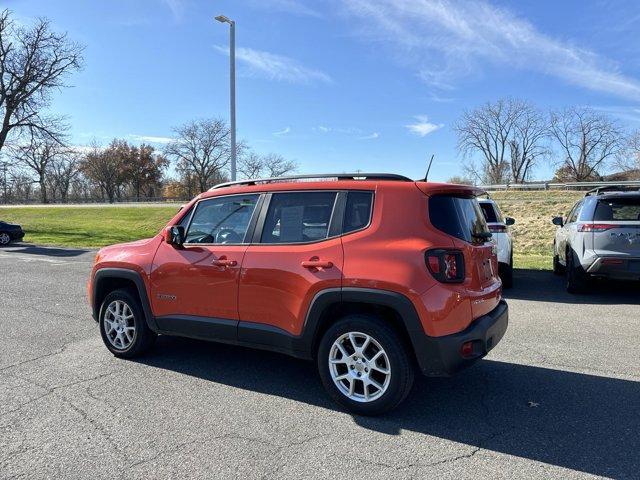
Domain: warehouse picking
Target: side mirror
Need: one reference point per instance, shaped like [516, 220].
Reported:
[557, 221]
[174, 235]
[509, 221]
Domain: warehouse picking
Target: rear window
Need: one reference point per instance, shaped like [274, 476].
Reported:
[460, 217]
[298, 217]
[618, 209]
[489, 213]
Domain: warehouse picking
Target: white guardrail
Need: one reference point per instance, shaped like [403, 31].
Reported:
[559, 186]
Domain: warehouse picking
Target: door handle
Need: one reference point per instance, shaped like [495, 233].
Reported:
[224, 262]
[315, 262]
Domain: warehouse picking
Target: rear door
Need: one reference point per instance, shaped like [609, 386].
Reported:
[295, 253]
[616, 226]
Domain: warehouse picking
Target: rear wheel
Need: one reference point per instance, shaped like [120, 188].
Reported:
[576, 278]
[123, 326]
[507, 273]
[364, 365]
[5, 239]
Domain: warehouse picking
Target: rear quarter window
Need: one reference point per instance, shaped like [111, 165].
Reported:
[458, 216]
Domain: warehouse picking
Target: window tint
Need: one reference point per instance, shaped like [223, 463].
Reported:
[357, 211]
[221, 220]
[298, 217]
[460, 217]
[618, 209]
[489, 212]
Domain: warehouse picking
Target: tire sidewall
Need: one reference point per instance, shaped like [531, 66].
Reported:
[400, 364]
[139, 323]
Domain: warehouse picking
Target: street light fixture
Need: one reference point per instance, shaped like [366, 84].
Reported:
[232, 87]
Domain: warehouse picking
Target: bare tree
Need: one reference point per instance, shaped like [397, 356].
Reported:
[202, 148]
[253, 165]
[509, 134]
[628, 159]
[37, 156]
[587, 139]
[63, 171]
[33, 62]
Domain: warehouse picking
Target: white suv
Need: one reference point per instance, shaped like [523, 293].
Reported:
[499, 227]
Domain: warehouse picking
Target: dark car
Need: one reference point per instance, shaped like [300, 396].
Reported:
[10, 232]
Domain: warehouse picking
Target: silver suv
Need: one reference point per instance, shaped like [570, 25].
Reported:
[600, 237]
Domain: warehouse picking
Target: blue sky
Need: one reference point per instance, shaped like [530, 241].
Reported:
[341, 85]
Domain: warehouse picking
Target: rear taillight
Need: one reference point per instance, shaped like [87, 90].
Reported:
[497, 228]
[595, 227]
[445, 265]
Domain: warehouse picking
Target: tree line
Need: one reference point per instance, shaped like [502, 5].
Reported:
[38, 162]
[504, 141]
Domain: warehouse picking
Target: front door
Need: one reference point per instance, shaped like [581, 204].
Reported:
[297, 253]
[194, 288]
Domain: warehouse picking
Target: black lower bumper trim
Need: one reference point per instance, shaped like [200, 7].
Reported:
[440, 356]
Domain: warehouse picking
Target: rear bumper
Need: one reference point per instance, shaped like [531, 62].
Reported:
[616, 268]
[441, 356]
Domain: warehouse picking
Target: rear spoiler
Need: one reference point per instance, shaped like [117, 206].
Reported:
[431, 188]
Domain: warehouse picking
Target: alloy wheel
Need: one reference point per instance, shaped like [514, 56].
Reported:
[359, 367]
[119, 325]
[4, 238]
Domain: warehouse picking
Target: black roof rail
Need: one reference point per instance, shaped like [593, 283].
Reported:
[337, 176]
[609, 188]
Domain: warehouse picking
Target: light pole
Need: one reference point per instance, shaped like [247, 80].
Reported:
[232, 88]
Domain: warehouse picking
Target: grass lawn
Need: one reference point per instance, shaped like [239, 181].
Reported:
[98, 226]
[88, 226]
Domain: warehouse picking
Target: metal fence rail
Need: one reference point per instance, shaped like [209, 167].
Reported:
[559, 186]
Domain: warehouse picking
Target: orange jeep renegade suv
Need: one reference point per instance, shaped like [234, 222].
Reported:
[370, 275]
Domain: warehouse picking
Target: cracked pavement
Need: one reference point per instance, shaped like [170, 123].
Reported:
[558, 398]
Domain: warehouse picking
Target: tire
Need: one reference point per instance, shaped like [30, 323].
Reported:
[5, 239]
[131, 337]
[576, 278]
[558, 269]
[507, 273]
[396, 383]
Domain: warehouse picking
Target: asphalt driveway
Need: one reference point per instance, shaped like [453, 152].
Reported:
[559, 397]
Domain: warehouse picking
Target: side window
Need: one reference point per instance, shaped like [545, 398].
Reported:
[573, 216]
[184, 221]
[357, 211]
[221, 220]
[298, 217]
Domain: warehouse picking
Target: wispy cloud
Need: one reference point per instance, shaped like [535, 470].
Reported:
[276, 67]
[151, 139]
[445, 40]
[373, 136]
[422, 126]
[176, 7]
[284, 131]
[294, 7]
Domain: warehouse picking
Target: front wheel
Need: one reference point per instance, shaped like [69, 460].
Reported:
[364, 365]
[123, 326]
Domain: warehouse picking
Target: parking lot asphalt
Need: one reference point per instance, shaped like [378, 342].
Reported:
[559, 397]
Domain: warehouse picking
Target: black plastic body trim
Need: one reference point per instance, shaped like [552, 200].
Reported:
[125, 274]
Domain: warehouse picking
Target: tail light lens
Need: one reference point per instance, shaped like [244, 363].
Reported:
[596, 227]
[497, 228]
[446, 266]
